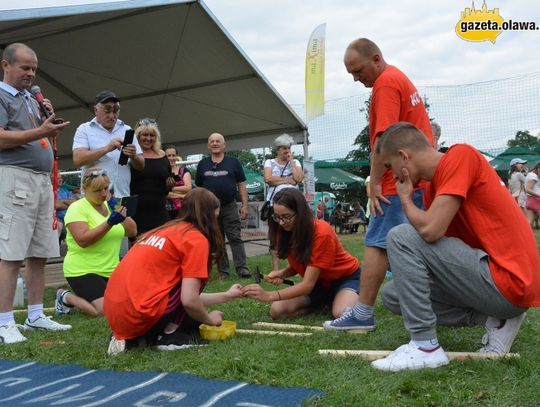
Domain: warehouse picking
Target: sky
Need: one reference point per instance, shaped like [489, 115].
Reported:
[418, 36]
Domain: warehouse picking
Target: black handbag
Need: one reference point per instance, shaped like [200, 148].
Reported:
[266, 210]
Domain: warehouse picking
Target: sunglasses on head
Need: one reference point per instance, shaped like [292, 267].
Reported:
[111, 108]
[95, 173]
[145, 122]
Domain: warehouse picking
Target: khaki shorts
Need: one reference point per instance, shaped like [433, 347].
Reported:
[26, 215]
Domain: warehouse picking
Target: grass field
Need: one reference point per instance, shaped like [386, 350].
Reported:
[294, 361]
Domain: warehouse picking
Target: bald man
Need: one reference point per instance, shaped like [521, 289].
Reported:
[393, 99]
[224, 176]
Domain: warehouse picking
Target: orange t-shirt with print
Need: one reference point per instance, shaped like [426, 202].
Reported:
[489, 219]
[138, 291]
[395, 99]
[327, 254]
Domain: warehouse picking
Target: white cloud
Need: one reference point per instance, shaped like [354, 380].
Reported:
[415, 35]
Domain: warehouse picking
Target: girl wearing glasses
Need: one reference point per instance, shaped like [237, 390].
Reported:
[329, 274]
[157, 287]
[94, 234]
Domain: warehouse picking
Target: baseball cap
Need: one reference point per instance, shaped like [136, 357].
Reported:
[517, 161]
[105, 96]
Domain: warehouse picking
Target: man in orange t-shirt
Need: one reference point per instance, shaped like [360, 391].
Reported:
[469, 259]
[393, 99]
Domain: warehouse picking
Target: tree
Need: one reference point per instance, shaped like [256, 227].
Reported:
[363, 150]
[524, 139]
[247, 159]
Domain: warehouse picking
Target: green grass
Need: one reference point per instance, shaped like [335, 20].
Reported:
[294, 361]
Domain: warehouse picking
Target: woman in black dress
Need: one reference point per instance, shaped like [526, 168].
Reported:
[153, 183]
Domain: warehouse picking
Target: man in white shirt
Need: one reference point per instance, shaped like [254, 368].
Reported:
[98, 143]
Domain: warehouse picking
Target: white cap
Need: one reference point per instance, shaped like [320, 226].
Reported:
[517, 161]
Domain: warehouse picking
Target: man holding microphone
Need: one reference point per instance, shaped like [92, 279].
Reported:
[26, 195]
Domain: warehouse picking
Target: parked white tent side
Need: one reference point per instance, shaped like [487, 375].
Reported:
[166, 59]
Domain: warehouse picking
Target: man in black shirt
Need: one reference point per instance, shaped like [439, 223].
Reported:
[224, 176]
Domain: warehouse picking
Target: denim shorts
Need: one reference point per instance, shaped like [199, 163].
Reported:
[324, 293]
[379, 226]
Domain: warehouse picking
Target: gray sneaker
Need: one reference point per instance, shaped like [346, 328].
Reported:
[60, 306]
[499, 339]
[243, 273]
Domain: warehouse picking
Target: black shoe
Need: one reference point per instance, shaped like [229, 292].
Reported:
[180, 340]
[223, 275]
[244, 273]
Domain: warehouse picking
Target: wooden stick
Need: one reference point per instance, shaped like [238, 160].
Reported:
[44, 309]
[288, 326]
[307, 327]
[379, 354]
[282, 333]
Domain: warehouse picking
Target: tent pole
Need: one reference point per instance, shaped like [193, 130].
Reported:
[305, 145]
[265, 187]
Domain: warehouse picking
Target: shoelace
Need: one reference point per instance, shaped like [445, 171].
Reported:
[344, 316]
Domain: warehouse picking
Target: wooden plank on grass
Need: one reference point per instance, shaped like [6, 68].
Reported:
[306, 327]
[288, 326]
[50, 309]
[379, 354]
[282, 333]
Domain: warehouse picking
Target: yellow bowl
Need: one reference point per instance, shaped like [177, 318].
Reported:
[217, 333]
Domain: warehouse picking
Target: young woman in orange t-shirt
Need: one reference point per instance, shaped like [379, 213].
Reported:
[330, 275]
[154, 296]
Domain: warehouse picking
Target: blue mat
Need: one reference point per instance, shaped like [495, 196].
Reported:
[34, 384]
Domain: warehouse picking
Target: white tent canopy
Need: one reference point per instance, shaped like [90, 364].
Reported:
[165, 59]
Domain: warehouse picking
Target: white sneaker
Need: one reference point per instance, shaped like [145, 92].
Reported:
[45, 323]
[10, 334]
[499, 339]
[116, 346]
[410, 357]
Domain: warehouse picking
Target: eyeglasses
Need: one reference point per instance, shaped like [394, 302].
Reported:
[145, 122]
[111, 108]
[283, 219]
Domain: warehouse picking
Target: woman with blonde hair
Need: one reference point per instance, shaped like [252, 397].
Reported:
[94, 234]
[157, 287]
[153, 183]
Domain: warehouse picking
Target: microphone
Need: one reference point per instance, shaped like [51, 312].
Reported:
[36, 92]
